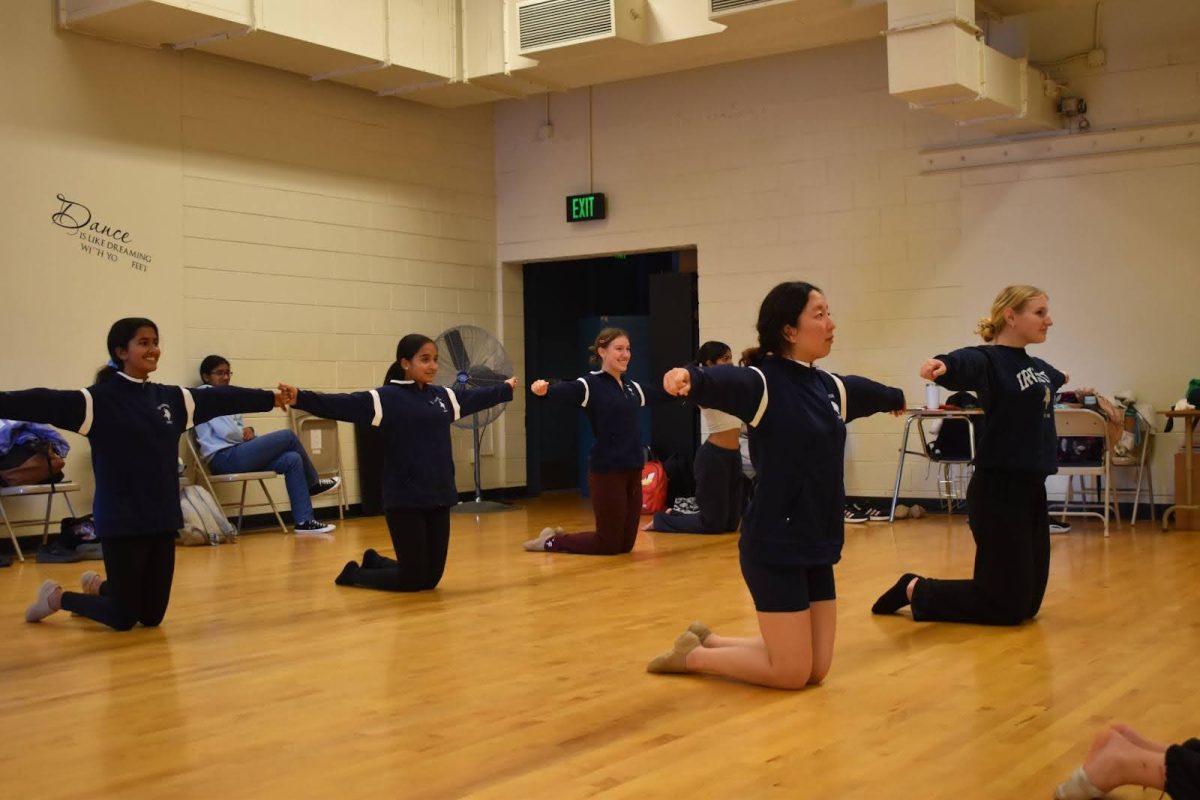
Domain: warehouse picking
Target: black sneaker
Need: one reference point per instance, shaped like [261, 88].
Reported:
[873, 514]
[324, 485]
[313, 526]
[854, 515]
[1060, 527]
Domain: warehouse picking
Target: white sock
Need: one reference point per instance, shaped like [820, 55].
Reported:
[1077, 787]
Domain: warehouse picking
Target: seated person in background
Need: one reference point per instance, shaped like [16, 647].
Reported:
[228, 446]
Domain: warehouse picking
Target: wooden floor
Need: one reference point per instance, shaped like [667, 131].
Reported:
[523, 675]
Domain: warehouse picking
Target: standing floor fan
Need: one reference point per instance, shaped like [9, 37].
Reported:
[478, 361]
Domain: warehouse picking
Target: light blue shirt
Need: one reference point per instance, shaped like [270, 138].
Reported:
[218, 433]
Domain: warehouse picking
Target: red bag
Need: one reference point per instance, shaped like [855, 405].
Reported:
[654, 487]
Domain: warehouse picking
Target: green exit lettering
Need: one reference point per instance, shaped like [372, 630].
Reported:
[585, 207]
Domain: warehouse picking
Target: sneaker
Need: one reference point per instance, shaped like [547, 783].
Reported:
[313, 526]
[1060, 527]
[324, 485]
[873, 514]
[854, 515]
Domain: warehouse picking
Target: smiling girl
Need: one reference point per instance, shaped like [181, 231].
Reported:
[134, 427]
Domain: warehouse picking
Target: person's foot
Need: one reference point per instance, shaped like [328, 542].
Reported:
[894, 598]
[1104, 768]
[854, 515]
[675, 659]
[370, 558]
[346, 576]
[701, 630]
[1135, 737]
[538, 543]
[90, 582]
[313, 526]
[324, 485]
[49, 600]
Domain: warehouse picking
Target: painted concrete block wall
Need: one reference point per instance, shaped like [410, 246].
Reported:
[803, 167]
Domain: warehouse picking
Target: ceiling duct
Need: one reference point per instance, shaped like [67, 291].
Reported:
[552, 24]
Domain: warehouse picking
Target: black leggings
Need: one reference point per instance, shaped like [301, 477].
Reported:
[421, 537]
[1183, 770]
[719, 493]
[1009, 520]
[139, 572]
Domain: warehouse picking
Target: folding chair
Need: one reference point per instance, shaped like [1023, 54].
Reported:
[1080, 422]
[210, 480]
[51, 491]
[319, 437]
[1141, 457]
[954, 471]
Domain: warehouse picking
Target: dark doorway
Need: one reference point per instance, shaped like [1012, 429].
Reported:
[653, 296]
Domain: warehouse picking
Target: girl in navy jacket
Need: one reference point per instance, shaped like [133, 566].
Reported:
[418, 467]
[792, 529]
[720, 484]
[1006, 499]
[612, 404]
[133, 426]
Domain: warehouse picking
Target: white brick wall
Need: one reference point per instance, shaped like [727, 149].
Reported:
[802, 166]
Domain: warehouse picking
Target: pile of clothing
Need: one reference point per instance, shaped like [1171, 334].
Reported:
[30, 453]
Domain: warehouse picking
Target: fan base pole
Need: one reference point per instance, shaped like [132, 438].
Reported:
[481, 507]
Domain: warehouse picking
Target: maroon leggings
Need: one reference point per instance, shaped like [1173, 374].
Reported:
[617, 503]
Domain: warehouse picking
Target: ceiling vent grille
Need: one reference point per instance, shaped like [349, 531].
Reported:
[553, 23]
[718, 7]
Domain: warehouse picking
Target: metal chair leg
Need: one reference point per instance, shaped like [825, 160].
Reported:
[900, 468]
[11, 533]
[242, 508]
[271, 500]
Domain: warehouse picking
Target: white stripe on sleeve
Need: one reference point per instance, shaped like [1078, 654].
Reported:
[378, 418]
[189, 403]
[86, 427]
[454, 402]
[637, 386]
[587, 393]
[762, 406]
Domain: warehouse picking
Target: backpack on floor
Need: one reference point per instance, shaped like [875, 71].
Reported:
[203, 520]
[654, 487]
[953, 440]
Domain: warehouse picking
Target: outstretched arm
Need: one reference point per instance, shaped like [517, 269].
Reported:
[865, 397]
[741, 391]
[575, 392]
[67, 409]
[353, 407]
[963, 370]
[222, 401]
[471, 401]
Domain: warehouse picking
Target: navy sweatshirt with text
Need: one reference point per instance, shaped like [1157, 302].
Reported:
[418, 464]
[613, 409]
[1017, 392]
[133, 427]
[796, 419]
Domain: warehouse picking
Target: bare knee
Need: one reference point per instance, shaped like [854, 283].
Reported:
[792, 678]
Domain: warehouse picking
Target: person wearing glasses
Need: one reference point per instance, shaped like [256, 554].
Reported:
[227, 445]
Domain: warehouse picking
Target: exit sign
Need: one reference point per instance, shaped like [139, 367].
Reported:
[584, 207]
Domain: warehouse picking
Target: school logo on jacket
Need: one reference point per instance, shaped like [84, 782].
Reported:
[165, 410]
[437, 401]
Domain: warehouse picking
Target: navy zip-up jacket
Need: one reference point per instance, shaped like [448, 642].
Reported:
[612, 409]
[1017, 392]
[797, 417]
[418, 464]
[134, 429]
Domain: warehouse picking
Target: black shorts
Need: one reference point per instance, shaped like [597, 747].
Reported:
[786, 587]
